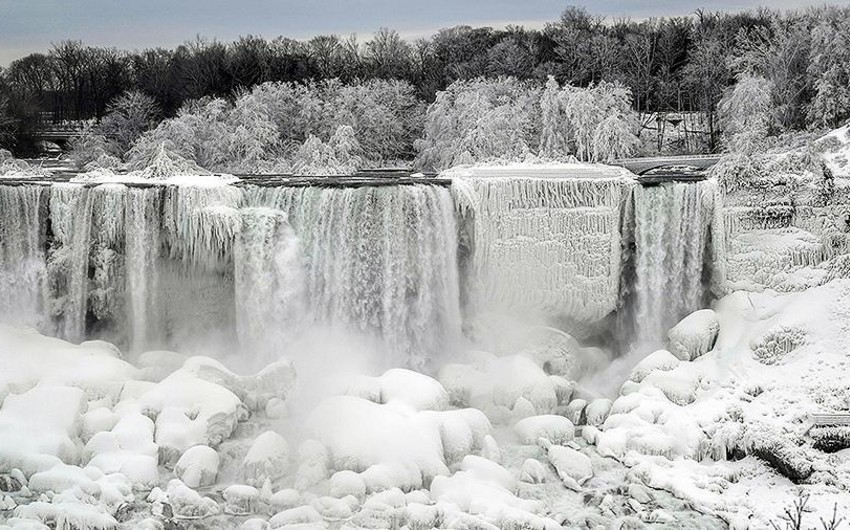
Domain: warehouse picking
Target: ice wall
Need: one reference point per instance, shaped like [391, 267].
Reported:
[671, 237]
[787, 237]
[544, 242]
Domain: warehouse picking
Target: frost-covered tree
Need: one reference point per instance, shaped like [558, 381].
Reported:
[479, 120]
[602, 122]
[554, 127]
[315, 157]
[745, 114]
[830, 68]
[346, 149]
[128, 117]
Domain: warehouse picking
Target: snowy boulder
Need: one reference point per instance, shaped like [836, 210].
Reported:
[345, 483]
[575, 412]
[359, 434]
[573, 467]
[186, 502]
[275, 381]
[303, 515]
[335, 509]
[240, 499]
[483, 469]
[695, 335]
[285, 499]
[554, 351]
[533, 472]
[661, 360]
[128, 448]
[557, 429]
[267, 459]
[461, 431]
[313, 464]
[191, 410]
[679, 386]
[415, 390]
[597, 411]
[198, 466]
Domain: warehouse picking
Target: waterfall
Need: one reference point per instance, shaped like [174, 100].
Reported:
[269, 281]
[143, 245]
[379, 260]
[23, 274]
[672, 223]
[196, 267]
[68, 264]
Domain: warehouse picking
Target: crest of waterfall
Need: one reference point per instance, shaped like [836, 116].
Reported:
[380, 260]
[269, 282]
[548, 246]
[672, 224]
[23, 273]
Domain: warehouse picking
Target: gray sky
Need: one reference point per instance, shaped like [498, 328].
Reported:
[31, 25]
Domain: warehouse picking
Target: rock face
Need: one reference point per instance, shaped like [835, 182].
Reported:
[695, 335]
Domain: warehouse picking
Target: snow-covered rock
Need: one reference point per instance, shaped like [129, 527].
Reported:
[557, 429]
[661, 360]
[597, 411]
[572, 466]
[267, 459]
[240, 499]
[344, 483]
[695, 335]
[198, 466]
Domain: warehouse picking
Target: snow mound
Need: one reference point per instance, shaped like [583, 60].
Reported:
[695, 335]
[198, 466]
[267, 459]
[557, 429]
[660, 360]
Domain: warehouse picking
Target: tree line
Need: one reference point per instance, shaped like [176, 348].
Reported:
[675, 64]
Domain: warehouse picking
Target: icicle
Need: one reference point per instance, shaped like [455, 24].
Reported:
[201, 223]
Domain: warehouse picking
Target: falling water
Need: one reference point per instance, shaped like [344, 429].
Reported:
[671, 235]
[22, 266]
[269, 282]
[379, 260]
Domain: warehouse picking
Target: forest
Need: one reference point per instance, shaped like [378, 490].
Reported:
[793, 66]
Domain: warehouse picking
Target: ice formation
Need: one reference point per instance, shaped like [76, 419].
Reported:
[710, 431]
[544, 240]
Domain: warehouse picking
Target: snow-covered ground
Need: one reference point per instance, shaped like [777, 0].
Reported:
[90, 440]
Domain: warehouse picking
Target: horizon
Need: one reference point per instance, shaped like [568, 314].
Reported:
[32, 27]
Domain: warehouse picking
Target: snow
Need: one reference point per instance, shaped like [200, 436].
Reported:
[197, 466]
[556, 429]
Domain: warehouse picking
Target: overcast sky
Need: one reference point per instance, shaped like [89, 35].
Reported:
[31, 25]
